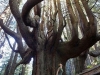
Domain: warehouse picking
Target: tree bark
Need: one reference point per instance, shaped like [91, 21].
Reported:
[9, 64]
[46, 63]
[79, 63]
[12, 69]
[23, 70]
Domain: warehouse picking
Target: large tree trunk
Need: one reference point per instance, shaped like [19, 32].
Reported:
[46, 63]
[79, 62]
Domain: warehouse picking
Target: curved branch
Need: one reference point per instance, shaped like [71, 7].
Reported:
[92, 20]
[10, 44]
[88, 11]
[69, 50]
[84, 22]
[16, 36]
[26, 9]
[26, 59]
[7, 30]
[74, 21]
[23, 28]
[28, 6]
[61, 20]
[94, 53]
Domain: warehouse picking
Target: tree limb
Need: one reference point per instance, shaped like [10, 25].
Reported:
[26, 10]
[10, 44]
[23, 28]
[74, 21]
[7, 30]
[94, 53]
[94, 4]
[2, 43]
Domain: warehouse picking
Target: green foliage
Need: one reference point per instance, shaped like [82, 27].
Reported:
[89, 66]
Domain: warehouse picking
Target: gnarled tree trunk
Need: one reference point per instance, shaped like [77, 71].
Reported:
[45, 41]
[46, 63]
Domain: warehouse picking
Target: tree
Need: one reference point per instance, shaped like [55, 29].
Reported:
[45, 42]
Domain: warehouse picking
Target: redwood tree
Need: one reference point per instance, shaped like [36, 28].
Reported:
[44, 30]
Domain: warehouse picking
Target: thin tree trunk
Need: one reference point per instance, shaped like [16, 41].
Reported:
[23, 70]
[9, 64]
[12, 70]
